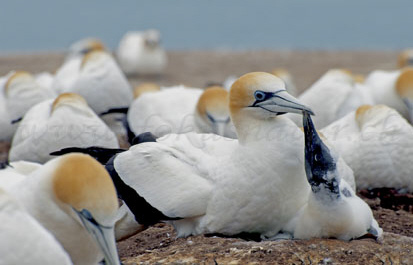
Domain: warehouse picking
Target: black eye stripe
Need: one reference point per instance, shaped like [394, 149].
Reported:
[261, 96]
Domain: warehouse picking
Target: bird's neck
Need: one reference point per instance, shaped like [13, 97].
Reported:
[250, 129]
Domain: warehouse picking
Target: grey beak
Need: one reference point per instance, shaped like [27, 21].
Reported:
[104, 236]
[282, 102]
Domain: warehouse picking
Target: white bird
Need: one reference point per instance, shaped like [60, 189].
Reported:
[394, 89]
[20, 93]
[332, 96]
[145, 88]
[74, 198]
[333, 209]
[405, 58]
[23, 240]
[255, 184]
[377, 143]
[101, 82]
[180, 110]
[69, 70]
[141, 53]
[55, 124]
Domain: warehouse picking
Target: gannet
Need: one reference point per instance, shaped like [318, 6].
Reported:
[377, 143]
[23, 240]
[145, 88]
[55, 124]
[74, 198]
[140, 53]
[101, 82]
[287, 78]
[405, 58]
[332, 96]
[255, 184]
[20, 93]
[220, 185]
[333, 209]
[394, 89]
[69, 70]
[180, 110]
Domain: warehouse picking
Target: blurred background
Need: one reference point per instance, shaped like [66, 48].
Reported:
[46, 25]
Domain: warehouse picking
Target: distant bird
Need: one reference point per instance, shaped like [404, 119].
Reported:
[55, 124]
[233, 186]
[332, 96]
[140, 52]
[23, 240]
[20, 92]
[74, 198]
[69, 70]
[84, 46]
[377, 143]
[394, 89]
[405, 58]
[145, 88]
[101, 82]
[180, 109]
[333, 208]
[285, 75]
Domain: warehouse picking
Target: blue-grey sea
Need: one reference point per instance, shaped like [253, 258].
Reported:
[43, 25]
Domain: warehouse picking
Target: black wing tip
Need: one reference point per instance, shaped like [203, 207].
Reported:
[144, 138]
[123, 110]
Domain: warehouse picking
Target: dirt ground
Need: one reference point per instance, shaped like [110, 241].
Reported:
[159, 245]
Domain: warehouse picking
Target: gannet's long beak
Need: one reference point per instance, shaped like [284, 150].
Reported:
[409, 105]
[320, 166]
[279, 102]
[105, 236]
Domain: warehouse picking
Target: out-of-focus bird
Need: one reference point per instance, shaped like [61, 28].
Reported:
[23, 240]
[145, 88]
[55, 124]
[180, 110]
[20, 93]
[394, 89]
[101, 82]
[377, 143]
[140, 52]
[405, 58]
[74, 198]
[69, 70]
[332, 96]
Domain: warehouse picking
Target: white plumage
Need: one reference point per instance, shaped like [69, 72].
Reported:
[377, 143]
[141, 53]
[181, 109]
[19, 93]
[55, 124]
[57, 195]
[217, 185]
[23, 240]
[331, 97]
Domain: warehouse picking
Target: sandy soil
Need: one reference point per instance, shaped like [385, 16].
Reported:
[158, 244]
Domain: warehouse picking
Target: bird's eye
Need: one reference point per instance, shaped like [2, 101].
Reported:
[259, 95]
